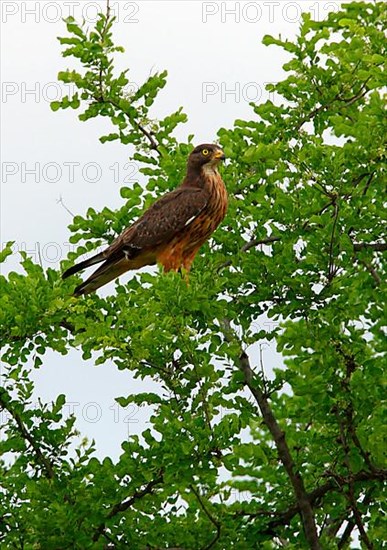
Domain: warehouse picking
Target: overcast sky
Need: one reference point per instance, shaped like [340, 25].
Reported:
[216, 65]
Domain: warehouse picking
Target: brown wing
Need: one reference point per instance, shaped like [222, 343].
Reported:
[137, 245]
[165, 219]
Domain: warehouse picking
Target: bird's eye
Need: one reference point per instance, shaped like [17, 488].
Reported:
[205, 152]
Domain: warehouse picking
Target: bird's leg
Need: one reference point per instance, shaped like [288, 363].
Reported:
[184, 274]
[186, 267]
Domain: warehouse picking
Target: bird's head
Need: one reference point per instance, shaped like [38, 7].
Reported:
[206, 155]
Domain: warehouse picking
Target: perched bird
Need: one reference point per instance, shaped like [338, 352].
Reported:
[172, 230]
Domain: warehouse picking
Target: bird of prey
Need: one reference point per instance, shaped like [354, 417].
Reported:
[172, 230]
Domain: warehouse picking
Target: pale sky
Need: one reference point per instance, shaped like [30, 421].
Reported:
[216, 65]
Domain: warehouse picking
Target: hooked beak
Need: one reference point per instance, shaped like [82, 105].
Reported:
[219, 155]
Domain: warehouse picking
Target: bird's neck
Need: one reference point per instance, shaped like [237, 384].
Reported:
[210, 180]
[202, 177]
[210, 170]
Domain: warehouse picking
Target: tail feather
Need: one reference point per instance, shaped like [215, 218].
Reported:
[103, 275]
[83, 265]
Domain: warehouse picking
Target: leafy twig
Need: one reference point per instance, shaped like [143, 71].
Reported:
[251, 244]
[346, 426]
[314, 497]
[331, 267]
[279, 437]
[351, 523]
[375, 247]
[125, 504]
[372, 271]
[5, 403]
[348, 101]
[213, 520]
[350, 494]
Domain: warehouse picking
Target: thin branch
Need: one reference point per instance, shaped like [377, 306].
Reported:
[213, 520]
[337, 483]
[321, 211]
[351, 523]
[351, 366]
[125, 504]
[348, 101]
[364, 192]
[331, 267]
[102, 99]
[364, 454]
[372, 271]
[251, 244]
[345, 426]
[304, 505]
[358, 520]
[60, 201]
[375, 247]
[346, 535]
[367, 185]
[313, 113]
[350, 495]
[148, 135]
[263, 375]
[363, 91]
[152, 142]
[103, 33]
[41, 459]
[202, 392]
[334, 526]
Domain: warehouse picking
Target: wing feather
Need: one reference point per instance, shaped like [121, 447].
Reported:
[166, 218]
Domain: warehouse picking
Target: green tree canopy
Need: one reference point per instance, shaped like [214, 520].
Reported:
[302, 245]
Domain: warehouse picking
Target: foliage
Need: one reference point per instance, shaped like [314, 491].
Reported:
[302, 244]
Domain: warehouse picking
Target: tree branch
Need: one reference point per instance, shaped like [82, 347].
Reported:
[148, 135]
[350, 494]
[335, 525]
[152, 142]
[103, 34]
[372, 271]
[376, 247]
[102, 99]
[5, 403]
[60, 201]
[248, 245]
[351, 523]
[346, 426]
[335, 484]
[303, 502]
[338, 97]
[331, 267]
[213, 520]
[125, 504]
[351, 366]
